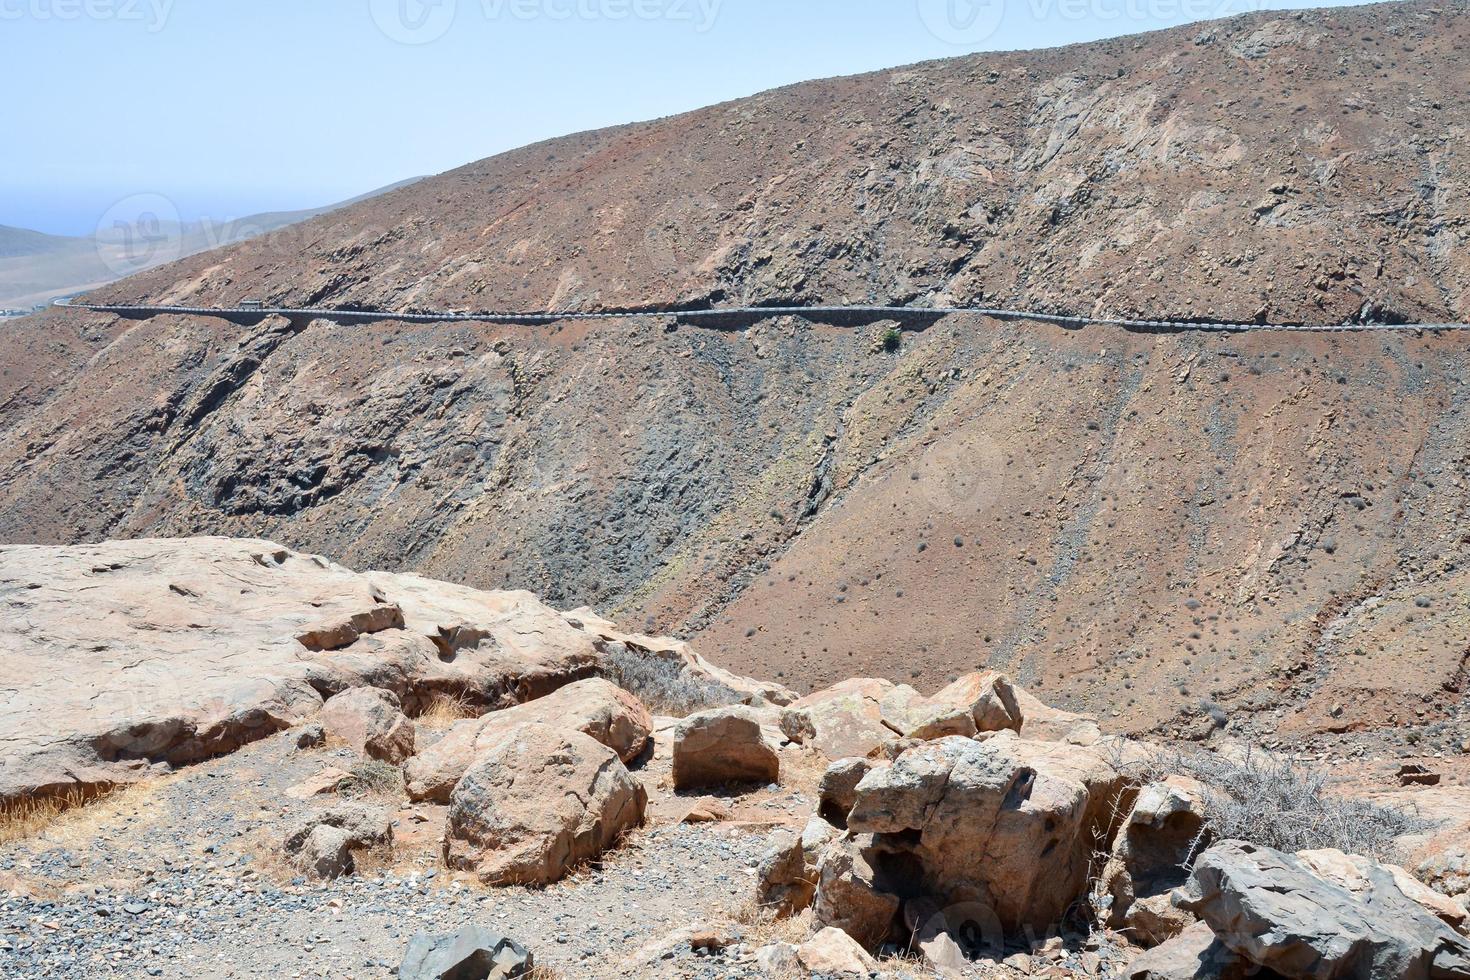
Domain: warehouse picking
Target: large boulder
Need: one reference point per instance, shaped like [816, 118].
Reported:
[594, 707]
[725, 745]
[1360, 876]
[539, 803]
[1040, 722]
[1150, 857]
[1276, 911]
[1194, 954]
[473, 953]
[370, 720]
[680, 656]
[837, 791]
[846, 719]
[1007, 824]
[977, 702]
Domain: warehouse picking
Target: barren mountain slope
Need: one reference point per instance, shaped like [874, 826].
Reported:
[1281, 165]
[1129, 522]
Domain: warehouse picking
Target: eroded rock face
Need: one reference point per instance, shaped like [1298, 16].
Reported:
[852, 894]
[1149, 859]
[127, 658]
[538, 804]
[1275, 910]
[1004, 823]
[724, 746]
[594, 707]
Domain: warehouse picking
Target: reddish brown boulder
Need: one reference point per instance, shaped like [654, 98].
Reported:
[370, 721]
[724, 745]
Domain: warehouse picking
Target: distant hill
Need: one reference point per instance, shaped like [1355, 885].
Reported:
[35, 267]
[21, 242]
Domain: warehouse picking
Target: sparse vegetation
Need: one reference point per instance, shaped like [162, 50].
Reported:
[371, 777]
[664, 684]
[763, 926]
[1279, 803]
[74, 815]
[28, 818]
[891, 340]
[444, 710]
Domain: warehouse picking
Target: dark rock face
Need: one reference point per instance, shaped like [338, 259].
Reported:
[1144, 519]
[473, 953]
[1273, 910]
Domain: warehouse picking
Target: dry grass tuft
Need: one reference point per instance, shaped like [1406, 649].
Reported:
[24, 819]
[71, 818]
[445, 710]
[763, 926]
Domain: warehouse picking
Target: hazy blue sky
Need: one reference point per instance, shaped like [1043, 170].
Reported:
[228, 107]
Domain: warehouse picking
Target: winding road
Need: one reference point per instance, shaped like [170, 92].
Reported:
[741, 313]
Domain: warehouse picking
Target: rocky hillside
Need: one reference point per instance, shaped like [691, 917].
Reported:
[1166, 530]
[1305, 166]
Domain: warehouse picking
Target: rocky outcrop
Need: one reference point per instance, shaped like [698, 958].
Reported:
[1194, 954]
[856, 717]
[787, 876]
[594, 707]
[1279, 913]
[538, 804]
[838, 790]
[369, 720]
[1363, 877]
[723, 746]
[1001, 822]
[129, 658]
[852, 894]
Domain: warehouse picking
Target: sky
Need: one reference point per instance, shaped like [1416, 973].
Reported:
[224, 108]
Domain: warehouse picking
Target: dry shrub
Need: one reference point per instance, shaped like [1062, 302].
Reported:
[370, 777]
[1276, 802]
[446, 709]
[664, 684]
